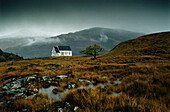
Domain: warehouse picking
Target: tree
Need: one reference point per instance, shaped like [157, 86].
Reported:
[92, 50]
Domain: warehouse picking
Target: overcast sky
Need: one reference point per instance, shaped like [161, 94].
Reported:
[53, 17]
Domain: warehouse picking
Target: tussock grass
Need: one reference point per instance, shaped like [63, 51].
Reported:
[39, 102]
[144, 76]
[145, 85]
[95, 100]
[57, 90]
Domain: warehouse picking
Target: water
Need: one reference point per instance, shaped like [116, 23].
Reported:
[84, 80]
[51, 94]
[59, 95]
[115, 94]
[117, 81]
[90, 86]
[61, 76]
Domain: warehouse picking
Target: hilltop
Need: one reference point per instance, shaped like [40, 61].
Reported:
[123, 81]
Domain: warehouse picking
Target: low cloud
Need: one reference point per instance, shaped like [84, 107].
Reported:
[103, 38]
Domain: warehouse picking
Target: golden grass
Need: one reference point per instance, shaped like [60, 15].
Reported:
[144, 82]
[95, 100]
[57, 90]
[39, 102]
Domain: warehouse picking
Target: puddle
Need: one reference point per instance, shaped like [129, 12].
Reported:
[104, 76]
[18, 91]
[84, 80]
[61, 76]
[117, 81]
[90, 86]
[51, 94]
[59, 95]
[115, 94]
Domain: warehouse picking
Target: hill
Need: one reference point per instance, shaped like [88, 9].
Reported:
[152, 44]
[41, 47]
[115, 81]
[4, 56]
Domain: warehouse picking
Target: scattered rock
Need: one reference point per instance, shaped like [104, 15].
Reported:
[76, 108]
[61, 76]
[117, 81]
[84, 80]
[60, 110]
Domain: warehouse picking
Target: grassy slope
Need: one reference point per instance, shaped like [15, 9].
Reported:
[145, 77]
[145, 45]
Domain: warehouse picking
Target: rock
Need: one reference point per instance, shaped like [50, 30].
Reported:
[35, 90]
[15, 86]
[75, 108]
[115, 94]
[27, 79]
[45, 78]
[84, 80]
[68, 86]
[60, 110]
[117, 81]
[74, 85]
[18, 94]
[5, 87]
[2, 92]
[61, 76]
[67, 104]
[24, 110]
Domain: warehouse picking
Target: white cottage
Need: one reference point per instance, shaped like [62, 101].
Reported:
[61, 51]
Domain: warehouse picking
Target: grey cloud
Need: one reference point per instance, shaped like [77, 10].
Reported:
[62, 16]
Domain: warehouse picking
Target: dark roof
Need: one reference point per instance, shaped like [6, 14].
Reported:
[57, 50]
[64, 48]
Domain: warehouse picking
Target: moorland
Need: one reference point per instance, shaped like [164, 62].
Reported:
[132, 77]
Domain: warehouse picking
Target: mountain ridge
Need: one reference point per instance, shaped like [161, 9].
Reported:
[79, 40]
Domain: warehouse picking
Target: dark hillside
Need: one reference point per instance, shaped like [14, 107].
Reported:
[4, 56]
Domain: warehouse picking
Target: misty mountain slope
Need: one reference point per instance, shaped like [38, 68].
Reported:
[105, 37]
[152, 44]
[12, 42]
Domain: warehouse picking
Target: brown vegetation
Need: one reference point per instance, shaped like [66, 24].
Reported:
[144, 77]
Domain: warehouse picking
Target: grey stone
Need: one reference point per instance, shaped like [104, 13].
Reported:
[60, 110]
[75, 108]
[16, 86]
[117, 81]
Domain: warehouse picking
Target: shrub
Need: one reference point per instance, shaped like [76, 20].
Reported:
[2, 58]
